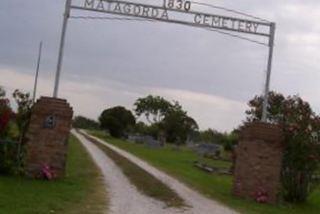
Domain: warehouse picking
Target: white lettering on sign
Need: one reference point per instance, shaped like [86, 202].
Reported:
[127, 9]
[178, 10]
[89, 4]
[226, 23]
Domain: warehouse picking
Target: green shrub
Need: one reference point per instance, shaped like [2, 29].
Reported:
[5, 116]
[117, 120]
[9, 158]
[301, 127]
[82, 122]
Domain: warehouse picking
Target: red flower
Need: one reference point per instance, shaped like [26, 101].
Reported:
[5, 114]
[261, 195]
[4, 120]
[47, 172]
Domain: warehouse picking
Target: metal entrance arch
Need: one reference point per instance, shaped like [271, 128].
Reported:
[177, 12]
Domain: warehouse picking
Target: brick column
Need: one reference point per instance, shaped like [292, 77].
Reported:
[47, 137]
[258, 162]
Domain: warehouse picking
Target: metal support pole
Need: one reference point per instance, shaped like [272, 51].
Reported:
[62, 41]
[37, 74]
[268, 75]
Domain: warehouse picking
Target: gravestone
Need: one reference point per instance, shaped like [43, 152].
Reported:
[153, 144]
[135, 139]
[47, 137]
[191, 144]
[162, 138]
[208, 149]
[258, 162]
[140, 139]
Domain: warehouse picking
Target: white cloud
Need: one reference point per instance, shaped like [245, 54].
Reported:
[304, 39]
[212, 111]
[90, 99]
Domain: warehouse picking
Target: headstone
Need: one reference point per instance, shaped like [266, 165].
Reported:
[258, 162]
[191, 144]
[47, 137]
[153, 144]
[135, 138]
[208, 149]
[141, 139]
[131, 138]
[162, 138]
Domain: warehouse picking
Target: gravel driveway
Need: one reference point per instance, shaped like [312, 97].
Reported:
[124, 198]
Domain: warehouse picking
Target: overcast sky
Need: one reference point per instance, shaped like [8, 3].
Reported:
[110, 63]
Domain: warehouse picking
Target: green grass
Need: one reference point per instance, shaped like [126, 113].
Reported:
[180, 165]
[215, 163]
[144, 181]
[82, 190]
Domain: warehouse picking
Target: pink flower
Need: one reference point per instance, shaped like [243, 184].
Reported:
[47, 172]
[261, 195]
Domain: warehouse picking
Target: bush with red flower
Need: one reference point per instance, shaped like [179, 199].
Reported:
[8, 149]
[301, 127]
[11, 140]
[5, 114]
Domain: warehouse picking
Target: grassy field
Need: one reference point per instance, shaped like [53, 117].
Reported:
[81, 192]
[180, 165]
[145, 182]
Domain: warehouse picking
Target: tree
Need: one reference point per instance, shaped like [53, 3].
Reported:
[23, 115]
[230, 140]
[11, 152]
[145, 129]
[301, 126]
[212, 136]
[178, 125]
[275, 108]
[2, 92]
[154, 107]
[165, 116]
[5, 113]
[24, 105]
[118, 120]
[82, 122]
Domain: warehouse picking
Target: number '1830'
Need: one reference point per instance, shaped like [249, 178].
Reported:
[177, 4]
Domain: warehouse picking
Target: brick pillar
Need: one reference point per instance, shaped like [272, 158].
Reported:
[258, 161]
[47, 137]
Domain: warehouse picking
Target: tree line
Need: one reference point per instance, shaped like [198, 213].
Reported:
[157, 117]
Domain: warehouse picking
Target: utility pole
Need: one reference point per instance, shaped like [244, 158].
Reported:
[268, 75]
[61, 48]
[37, 73]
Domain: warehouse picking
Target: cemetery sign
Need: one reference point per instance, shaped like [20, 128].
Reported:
[169, 11]
[177, 12]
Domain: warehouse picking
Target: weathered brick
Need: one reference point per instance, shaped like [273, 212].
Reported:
[48, 145]
[258, 161]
